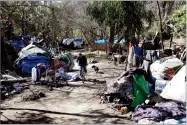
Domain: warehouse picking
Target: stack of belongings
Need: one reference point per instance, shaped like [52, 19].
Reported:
[131, 88]
[57, 71]
[165, 112]
[68, 59]
[29, 57]
[163, 70]
[171, 109]
[170, 81]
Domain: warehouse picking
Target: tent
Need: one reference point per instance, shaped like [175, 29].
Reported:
[68, 59]
[18, 44]
[123, 41]
[176, 88]
[68, 43]
[30, 50]
[78, 42]
[27, 63]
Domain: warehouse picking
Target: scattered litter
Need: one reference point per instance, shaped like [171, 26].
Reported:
[33, 96]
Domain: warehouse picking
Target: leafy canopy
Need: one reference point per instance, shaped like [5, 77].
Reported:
[128, 15]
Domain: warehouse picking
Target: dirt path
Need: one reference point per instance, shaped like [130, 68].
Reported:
[78, 103]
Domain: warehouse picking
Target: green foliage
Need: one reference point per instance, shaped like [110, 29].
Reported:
[122, 15]
[178, 19]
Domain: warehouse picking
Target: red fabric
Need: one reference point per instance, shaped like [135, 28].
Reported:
[130, 45]
[63, 65]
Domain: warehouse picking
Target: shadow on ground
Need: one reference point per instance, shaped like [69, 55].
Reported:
[29, 118]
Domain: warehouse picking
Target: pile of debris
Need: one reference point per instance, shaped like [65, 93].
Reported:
[154, 96]
[8, 86]
[33, 96]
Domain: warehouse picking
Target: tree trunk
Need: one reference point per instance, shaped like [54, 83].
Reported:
[111, 38]
[87, 39]
[22, 23]
[171, 39]
[161, 30]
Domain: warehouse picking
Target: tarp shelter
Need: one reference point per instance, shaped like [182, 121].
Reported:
[78, 42]
[67, 41]
[123, 41]
[27, 63]
[30, 50]
[176, 88]
[100, 42]
[18, 44]
[68, 59]
[164, 65]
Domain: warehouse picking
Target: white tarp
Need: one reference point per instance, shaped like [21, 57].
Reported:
[176, 88]
[159, 67]
[29, 50]
[78, 44]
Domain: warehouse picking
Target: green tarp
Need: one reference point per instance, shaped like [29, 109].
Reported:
[67, 58]
[140, 89]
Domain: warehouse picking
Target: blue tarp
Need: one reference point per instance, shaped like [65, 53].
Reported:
[27, 63]
[122, 41]
[100, 42]
[18, 44]
[78, 40]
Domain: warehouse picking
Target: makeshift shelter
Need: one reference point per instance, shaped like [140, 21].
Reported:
[100, 45]
[78, 42]
[68, 59]
[100, 42]
[71, 43]
[166, 65]
[27, 63]
[30, 50]
[18, 44]
[176, 88]
[123, 41]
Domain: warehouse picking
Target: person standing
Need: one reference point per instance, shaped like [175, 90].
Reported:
[139, 54]
[82, 62]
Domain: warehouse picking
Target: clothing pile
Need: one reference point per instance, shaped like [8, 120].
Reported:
[160, 111]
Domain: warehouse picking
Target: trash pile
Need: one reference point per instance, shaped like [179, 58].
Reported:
[7, 85]
[154, 96]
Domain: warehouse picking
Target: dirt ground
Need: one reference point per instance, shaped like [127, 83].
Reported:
[77, 103]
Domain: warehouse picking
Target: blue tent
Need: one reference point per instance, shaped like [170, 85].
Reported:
[100, 42]
[27, 63]
[18, 44]
[78, 40]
